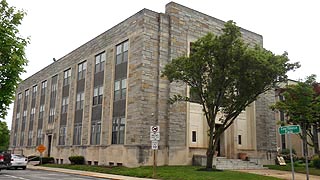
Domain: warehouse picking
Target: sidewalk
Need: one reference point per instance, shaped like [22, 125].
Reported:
[265, 172]
[86, 173]
[280, 174]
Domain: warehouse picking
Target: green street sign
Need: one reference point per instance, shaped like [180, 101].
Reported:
[293, 129]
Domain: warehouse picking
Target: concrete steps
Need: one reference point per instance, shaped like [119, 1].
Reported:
[224, 163]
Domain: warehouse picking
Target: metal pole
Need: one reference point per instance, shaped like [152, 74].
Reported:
[306, 149]
[290, 146]
[154, 164]
[40, 158]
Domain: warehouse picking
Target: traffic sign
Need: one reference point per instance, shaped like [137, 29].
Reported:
[293, 129]
[154, 145]
[41, 148]
[155, 136]
[154, 129]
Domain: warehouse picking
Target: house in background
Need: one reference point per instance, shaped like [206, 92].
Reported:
[100, 100]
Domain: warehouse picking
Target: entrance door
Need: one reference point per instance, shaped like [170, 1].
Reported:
[49, 144]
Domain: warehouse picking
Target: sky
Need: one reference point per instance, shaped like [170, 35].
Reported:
[57, 27]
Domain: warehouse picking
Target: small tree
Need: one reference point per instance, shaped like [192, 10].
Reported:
[12, 55]
[227, 75]
[301, 105]
[4, 136]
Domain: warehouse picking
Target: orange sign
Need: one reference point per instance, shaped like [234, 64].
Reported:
[41, 148]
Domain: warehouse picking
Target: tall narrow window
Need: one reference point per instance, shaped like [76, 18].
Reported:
[43, 87]
[80, 99]
[34, 91]
[19, 97]
[95, 133]
[66, 77]
[65, 102]
[82, 70]
[26, 94]
[122, 52]
[51, 115]
[97, 95]
[77, 134]
[30, 134]
[22, 138]
[118, 127]
[99, 64]
[39, 137]
[120, 87]
[239, 140]
[62, 135]
[41, 111]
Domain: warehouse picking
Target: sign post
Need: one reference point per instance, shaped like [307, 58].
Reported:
[41, 148]
[293, 129]
[155, 138]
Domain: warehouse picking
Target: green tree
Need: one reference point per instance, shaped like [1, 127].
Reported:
[301, 105]
[12, 55]
[229, 76]
[4, 134]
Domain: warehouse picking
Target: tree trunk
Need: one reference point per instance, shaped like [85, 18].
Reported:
[316, 139]
[210, 150]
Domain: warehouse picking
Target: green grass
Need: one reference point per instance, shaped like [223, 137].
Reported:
[301, 168]
[167, 172]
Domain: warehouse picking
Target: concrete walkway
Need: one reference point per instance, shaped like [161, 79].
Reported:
[86, 173]
[281, 174]
[265, 172]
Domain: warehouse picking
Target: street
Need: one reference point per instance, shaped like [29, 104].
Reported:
[39, 174]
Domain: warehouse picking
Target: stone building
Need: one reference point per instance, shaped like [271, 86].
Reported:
[100, 100]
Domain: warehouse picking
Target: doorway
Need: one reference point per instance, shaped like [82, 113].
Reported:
[49, 144]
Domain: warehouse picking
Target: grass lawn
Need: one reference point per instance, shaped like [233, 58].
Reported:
[167, 172]
[299, 169]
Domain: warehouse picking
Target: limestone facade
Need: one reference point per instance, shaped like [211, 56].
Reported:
[153, 39]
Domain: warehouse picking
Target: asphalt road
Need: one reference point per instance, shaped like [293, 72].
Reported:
[40, 175]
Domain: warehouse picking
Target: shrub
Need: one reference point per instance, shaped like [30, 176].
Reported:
[316, 162]
[285, 153]
[47, 160]
[76, 159]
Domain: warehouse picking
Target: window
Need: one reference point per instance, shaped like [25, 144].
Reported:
[66, 77]
[24, 119]
[18, 116]
[19, 96]
[80, 99]
[99, 64]
[95, 133]
[14, 143]
[118, 126]
[77, 134]
[51, 115]
[122, 52]
[41, 111]
[82, 70]
[26, 93]
[39, 137]
[97, 95]
[239, 140]
[30, 134]
[65, 102]
[194, 136]
[43, 87]
[62, 135]
[34, 91]
[120, 88]
[33, 111]
[22, 138]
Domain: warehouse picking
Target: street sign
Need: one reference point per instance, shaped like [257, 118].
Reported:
[155, 136]
[154, 145]
[293, 129]
[154, 129]
[41, 148]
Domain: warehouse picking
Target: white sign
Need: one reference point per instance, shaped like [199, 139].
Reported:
[154, 129]
[154, 145]
[155, 136]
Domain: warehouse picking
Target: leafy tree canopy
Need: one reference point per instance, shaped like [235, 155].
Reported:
[227, 75]
[12, 55]
[4, 134]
